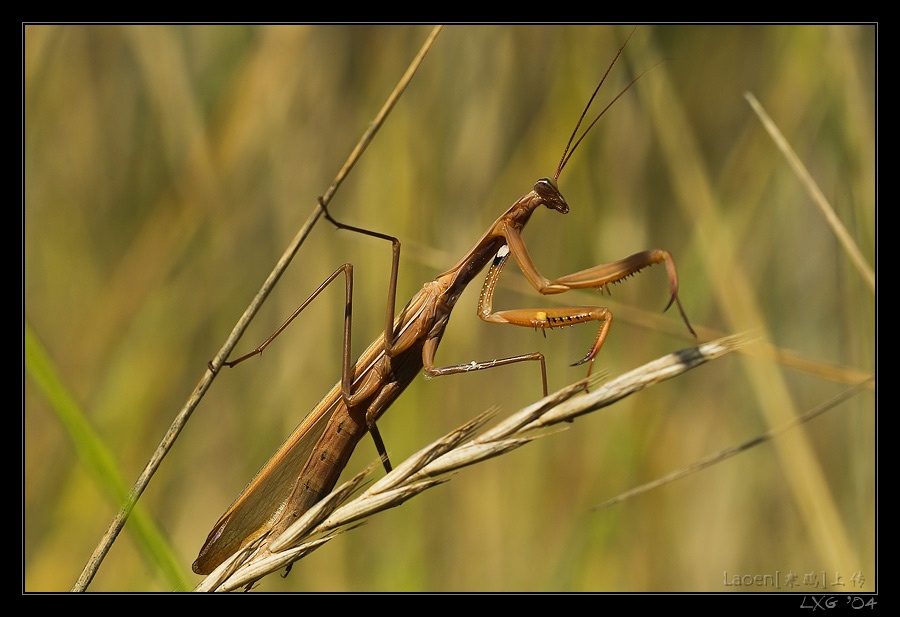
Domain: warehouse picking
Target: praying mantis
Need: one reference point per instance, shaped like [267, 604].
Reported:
[309, 463]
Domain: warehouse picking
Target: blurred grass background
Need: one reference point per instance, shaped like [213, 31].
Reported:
[166, 168]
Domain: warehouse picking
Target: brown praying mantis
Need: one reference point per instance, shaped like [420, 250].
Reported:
[307, 466]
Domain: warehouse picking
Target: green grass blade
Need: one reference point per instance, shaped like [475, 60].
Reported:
[99, 460]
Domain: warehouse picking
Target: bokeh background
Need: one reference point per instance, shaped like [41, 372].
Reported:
[166, 169]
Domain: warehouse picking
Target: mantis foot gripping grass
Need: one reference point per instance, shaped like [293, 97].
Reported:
[307, 466]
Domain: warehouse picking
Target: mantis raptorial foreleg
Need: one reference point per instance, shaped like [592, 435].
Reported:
[598, 277]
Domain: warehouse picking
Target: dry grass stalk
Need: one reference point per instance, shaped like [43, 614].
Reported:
[181, 419]
[846, 240]
[431, 465]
